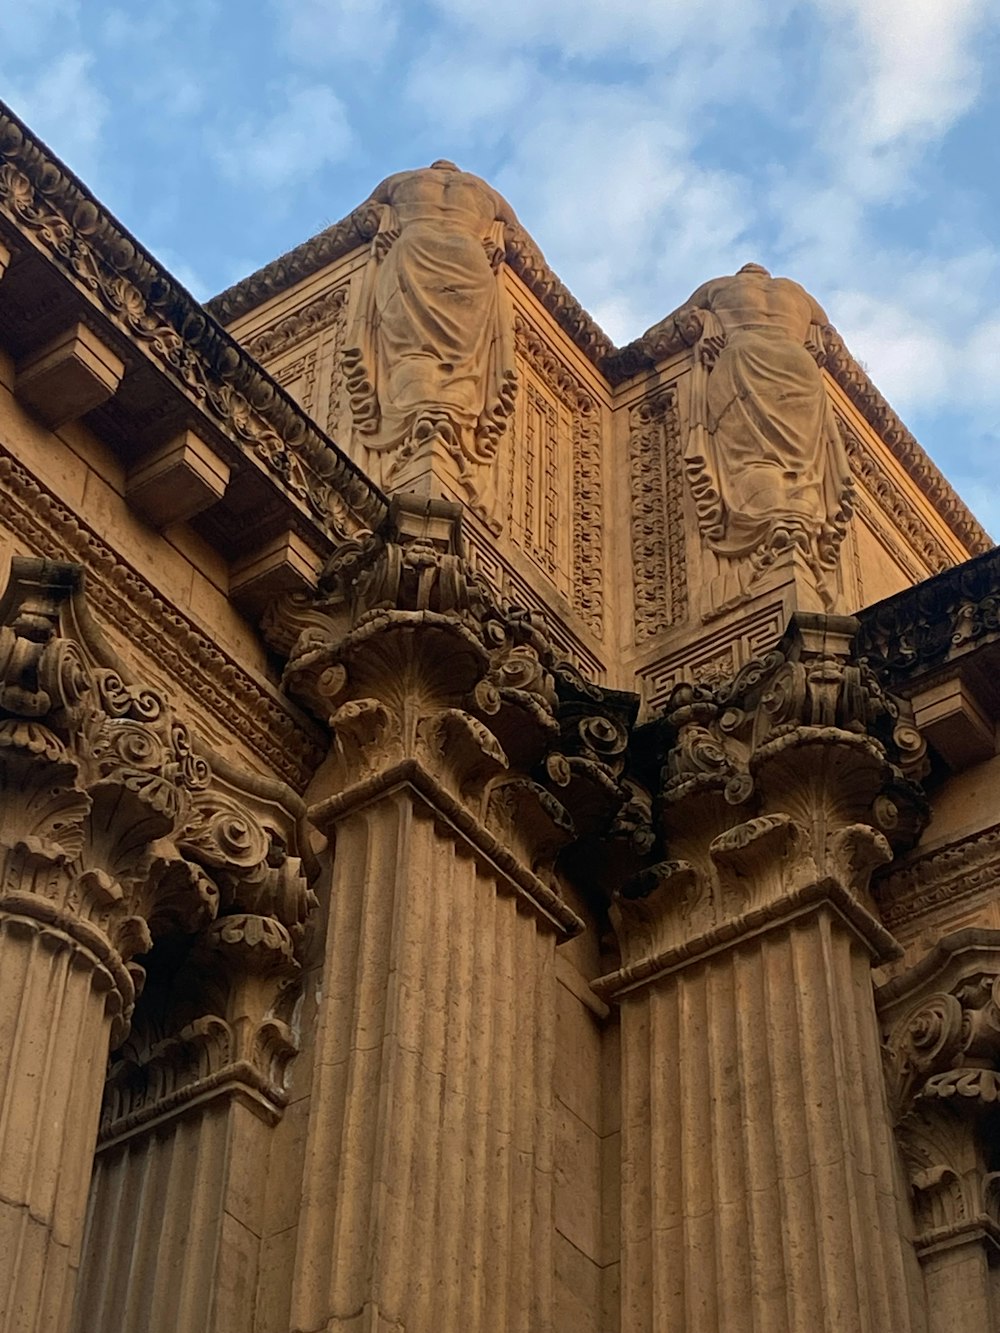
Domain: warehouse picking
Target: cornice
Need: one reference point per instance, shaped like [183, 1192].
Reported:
[902, 444]
[59, 217]
[921, 629]
[286, 743]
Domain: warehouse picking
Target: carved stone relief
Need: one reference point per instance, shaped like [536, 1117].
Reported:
[941, 886]
[942, 1054]
[766, 467]
[713, 656]
[500, 574]
[298, 376]
[560, 471]
[429, 366]
[316, 377]
[656, 481]
[892, 515]
[164, 635]
[202, 360]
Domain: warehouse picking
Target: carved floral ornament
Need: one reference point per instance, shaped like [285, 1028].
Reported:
[115, 828]
[784, 786]
[61, 219]
[942, 1057]
[423, 677]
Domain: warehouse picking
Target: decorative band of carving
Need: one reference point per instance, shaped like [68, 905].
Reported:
[410, 772]
[946, 876]
[131, 289]
[163, 633]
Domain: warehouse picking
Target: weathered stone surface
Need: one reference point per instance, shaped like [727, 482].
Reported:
[541, 998]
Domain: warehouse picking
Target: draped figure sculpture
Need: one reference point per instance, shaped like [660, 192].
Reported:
[764, 459]
[430, 365]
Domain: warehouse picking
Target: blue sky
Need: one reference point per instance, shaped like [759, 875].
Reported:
[646, 144]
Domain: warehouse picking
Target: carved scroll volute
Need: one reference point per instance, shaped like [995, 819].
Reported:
[785, 783]
[942, 1057]
[113, 824]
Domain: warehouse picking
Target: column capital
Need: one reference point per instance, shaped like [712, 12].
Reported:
[116, 819]
[782, 789]
[424, 675]
[941, 1026]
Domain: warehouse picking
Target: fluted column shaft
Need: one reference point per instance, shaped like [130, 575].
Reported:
[759, 1193]
[427, 1191]
[55, 1025]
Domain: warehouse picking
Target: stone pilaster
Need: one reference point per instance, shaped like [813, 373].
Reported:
[427, 1197]
[759, 1182]
[941, 1021]
[114, 832]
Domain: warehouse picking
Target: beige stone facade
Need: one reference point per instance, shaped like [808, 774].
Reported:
[499, 832]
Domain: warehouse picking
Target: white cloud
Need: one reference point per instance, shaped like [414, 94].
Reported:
[490, 91]
[27, 29]
[922, 65]
[309, 132]
[325, 33]
[596, 29]
[65, 107]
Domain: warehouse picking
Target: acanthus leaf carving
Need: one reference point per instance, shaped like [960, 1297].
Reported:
[113, 824]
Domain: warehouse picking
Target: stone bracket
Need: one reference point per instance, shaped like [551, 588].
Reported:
[177, 481]
[68, 377]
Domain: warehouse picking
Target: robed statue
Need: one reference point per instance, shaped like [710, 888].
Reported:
[430, 364]
[764, 458]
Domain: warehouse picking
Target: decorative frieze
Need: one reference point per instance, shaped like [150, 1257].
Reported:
[562, 448]
[310, 320]
[656, 477]
[893, 505]
[186, 345]
[948, 880]
[921, 629]
[162, 633]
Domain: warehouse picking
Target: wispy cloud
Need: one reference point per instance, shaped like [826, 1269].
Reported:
[272, 150]
[324, 33]
[65, 105]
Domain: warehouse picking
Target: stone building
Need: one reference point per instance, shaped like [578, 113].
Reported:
[498, 830]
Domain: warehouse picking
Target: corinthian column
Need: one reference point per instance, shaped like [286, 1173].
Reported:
[63, 991]
[759, 1175]
[427, 1192]
[110, 827]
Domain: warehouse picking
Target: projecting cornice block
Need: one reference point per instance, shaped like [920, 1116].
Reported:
[286, 564]
[177, 481]
[953, 720]
[69, 376]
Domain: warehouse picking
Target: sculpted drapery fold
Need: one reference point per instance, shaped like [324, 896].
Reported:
[430, 361]
[764, 459]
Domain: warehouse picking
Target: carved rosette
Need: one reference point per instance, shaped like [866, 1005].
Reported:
[115, 829]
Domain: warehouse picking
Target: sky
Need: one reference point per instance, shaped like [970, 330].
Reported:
[647, 145]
